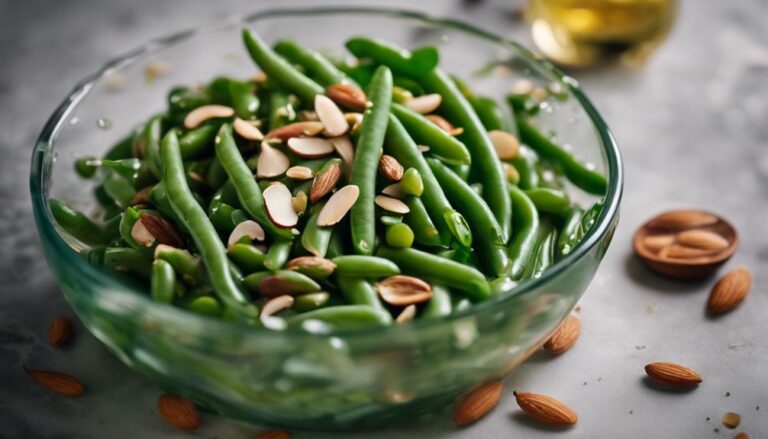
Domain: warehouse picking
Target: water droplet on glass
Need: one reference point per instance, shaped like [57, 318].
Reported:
[74, 120]
[104, 123]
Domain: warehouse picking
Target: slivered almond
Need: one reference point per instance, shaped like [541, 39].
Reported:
[141, 235]
[299, 173]
[60, 331]
[57, 382]
[394, 191]
[354, 120]
[272, 162]
[672, 375]
[247, 130]
[683, 219]
[730, 291]
[296, 129]
[565, 336]
[422, 148]
[676, 251]
[477, 403]
[310, 147]
[506, 145]
[278, 200]
[444, 124]
[657, 242]
[247, 229]
[345, 150]
[272, 434]
[163, 230]
[406, 315]
[334, 122]
[338, 205]
[178, 412]
[315, 267]
[401, 290]
[546, 409]
[201, 114]
[702, 239]
[325, 182]
[391, 204]
[425, 104]
[390, 168]
[347, 96]
[275, 305]
[299, 202]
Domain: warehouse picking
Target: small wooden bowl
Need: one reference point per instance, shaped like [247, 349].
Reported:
[690, 268]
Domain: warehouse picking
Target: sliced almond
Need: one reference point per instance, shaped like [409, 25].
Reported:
[308, 116]
[299, 173]
[406, 315]
[477, 403]
[347, 96]
[444, 124]
[325, 181]
[296, 129]
[338, 205]
[394, 191]
[401, 290]
[141, 235]
[60, 331]
[178, 412]
[731, 420]
[683, 219]
[390, 168]
[422, 148]
[315, 267]
[57, 382]
[310, 147]
[199, 115]
[248, 228]
[247, 130]
[425, 104]
[278, 200]
[163, 230]
[672, 375]
[565, 336]
[272, 162]
[546, 409]
[506, 145]
[703, 239]
[354, 120]
[330, 115]
[391, 204]
[346, 151]
[676, 251]
[730, 291]
[276, 304]
[299, 203]
[657, 242]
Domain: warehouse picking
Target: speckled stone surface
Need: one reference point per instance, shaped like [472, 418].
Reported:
[692, 126]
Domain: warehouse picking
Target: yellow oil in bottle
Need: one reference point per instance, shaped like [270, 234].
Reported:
[588, 32]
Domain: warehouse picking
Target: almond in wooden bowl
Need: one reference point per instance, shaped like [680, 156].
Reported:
[685, 244]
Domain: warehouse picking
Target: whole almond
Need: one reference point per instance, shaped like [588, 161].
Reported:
[60, 331]
[657, 242]
[683, 219]
[390, 168]
[677, 251]
[477, 403]
[741, 436]
[272, 434]
[400, 290]
[729, 291]
[672, 375]
[347, 96]
[564, 337]
[325, 182]
[546, 409]
[163, 229]
[57, 382]
[178, 412]
[703, 239]
[296, 129]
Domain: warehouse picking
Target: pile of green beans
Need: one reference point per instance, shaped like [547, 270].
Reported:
[439, 212]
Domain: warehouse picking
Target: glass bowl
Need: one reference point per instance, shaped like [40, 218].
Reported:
[339, 380]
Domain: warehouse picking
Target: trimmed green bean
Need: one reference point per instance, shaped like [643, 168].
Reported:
[414, 64]
[358, 291]
[523, 242]
[76, 223]
[247, 257]
[310, 301]
[343, 317]
[187, 266]
[526, 164]
[549, 200]
[439, 305]
[153, 133]
[567, 237]
[323, 70]
[364, 266]
[163, 281]
[545, 251]
[315, 239]
[278, 254]
[424, 230]
[424, 132]
[127, 260]
[198, 141]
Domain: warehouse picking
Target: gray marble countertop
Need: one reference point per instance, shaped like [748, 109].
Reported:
[692, 126]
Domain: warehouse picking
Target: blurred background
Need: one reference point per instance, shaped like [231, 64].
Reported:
[684, 87]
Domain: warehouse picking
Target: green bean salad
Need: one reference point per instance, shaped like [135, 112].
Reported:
[324, 194]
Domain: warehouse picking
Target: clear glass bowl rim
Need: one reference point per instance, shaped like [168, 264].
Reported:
[175, 316]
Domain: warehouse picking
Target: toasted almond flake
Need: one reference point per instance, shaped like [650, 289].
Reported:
[441, 122]
[406, 315]
[730, 291]
[272, 434]
[394, 191]
[278, 200]
[60, 331]
[731, 420]
[657, 242]
[296, 129]
[338, 205]
[178, 412]
[391, 204]
[308, 116]
[331, 116]
[272, 162]
[354, 120]
[521, 87]
[422, 148]
[207, 112]
[247, 130]
[299, 173]
[299, 203]
[347, 96]
[310, 147]
[275, 305]
[57, 382]
[248, 228]
[506, 145]
[315, 267]
[546, 409]
[703, 239]
[162, 229]
[401, 290]
[325, 181]
[345, 150]
[672, 375]
[477, 403]
[564, 337]
[682, 219]
[390, 168]
[141, 235]
[425, 104]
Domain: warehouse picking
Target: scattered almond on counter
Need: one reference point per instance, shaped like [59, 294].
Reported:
[546, 409]
[729, 291]
[178, 412]
[672, 375]
[60, 331]
[477, 403]
[565, 336]
[57, 382]
[731, 420]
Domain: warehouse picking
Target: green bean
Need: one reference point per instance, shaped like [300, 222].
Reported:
[247, 257]
[492, 116]
[310, 301]
[424, 230]
[549, 200]
[486, 232]
[358, 291]
[86, 167]
[128, 220]
[587, 221]
[411, 182]
[577, 172]
[252, 282]
[424, 132]
[220, 215]
[127, 260]
[439, 305]
[361, 73]
[287, 282]
[408, 84]
[119, 189]
[316, 64]
[187, 266]
[202, 231]
[343, 317]
[545, 252]
[162, 282]
[76, 223]
[502, 285]
[278, 69]
[244, 100]
[153, 132]
[198, 141]
[390, 220]
[182, 100]
[364, 266]
[248, 191]
[567, 237]
[523, 242]
[367, 154]
[123, 149]
[281, 110]
[206, 306]
[158, 196]
[278, 254]
[439, 270]
[338, 242]
[414, 64]
[399, 236]
[526, 163]
[315, 239]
